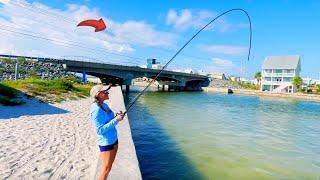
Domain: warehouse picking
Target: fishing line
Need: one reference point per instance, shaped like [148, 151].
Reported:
[65, 42]
[63, 18]
[33, 9]
[178, 52]
[69, 43]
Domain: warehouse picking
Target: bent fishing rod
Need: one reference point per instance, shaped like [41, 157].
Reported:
[178, 52]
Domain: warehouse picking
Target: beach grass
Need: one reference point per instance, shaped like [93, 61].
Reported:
[8, 96]
[56, 90]
[9, 101]
[245, 85]
[318, 88]
[8, 91]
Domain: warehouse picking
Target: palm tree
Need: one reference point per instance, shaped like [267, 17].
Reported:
[258, 77]
[297, 81]
[318, 88]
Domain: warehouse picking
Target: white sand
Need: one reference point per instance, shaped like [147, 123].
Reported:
[45, 141]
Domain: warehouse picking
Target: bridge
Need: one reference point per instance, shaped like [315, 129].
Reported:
[123, 75]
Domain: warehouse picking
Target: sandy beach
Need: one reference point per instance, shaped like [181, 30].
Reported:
[57, 141]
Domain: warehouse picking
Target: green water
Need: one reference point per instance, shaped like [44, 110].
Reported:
[226, 136]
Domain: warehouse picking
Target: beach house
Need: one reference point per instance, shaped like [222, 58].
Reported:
[278, 73]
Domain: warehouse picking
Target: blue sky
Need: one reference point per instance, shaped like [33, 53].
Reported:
[157, 29]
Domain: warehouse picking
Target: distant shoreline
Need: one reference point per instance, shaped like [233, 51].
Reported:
[299, 96]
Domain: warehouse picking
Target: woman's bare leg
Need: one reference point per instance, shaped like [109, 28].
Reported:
[105, 168]
[107, 158]
[114, 153]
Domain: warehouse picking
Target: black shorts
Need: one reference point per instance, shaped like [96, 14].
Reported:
[108, 147]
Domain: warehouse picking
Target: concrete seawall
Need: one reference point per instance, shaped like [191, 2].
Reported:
[306, 97]
[126, 164]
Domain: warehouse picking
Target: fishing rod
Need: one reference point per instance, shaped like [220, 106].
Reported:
[178, 52]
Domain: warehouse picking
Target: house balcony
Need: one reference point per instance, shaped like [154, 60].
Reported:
[264, 74]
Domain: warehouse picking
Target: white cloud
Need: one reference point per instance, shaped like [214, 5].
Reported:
[4, 1]
[224, 65]
[223, 49]
[171, 17]
[182, 21]
[141, 33]
[40, 20]
[222, 62]
[186, 19]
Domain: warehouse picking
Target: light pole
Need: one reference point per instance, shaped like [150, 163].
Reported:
[16, 72]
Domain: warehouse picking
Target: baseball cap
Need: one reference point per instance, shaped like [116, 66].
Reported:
[97, 88]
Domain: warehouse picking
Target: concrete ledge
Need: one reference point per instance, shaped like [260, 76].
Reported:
[126, 165]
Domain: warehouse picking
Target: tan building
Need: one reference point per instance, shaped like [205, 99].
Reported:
[234, 78]
[218, 75]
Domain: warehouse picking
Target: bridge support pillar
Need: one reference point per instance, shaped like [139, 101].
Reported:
[84, 78]
[171, 88]
[127, 89]
[179, 88]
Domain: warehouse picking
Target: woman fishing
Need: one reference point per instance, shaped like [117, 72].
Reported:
[103, 117]
[105, 122]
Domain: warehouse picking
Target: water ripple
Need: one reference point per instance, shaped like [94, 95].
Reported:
[227, 136]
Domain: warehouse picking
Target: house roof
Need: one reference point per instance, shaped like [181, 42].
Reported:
[281, 62]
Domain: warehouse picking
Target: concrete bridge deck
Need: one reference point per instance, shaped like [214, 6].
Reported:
[123, 75]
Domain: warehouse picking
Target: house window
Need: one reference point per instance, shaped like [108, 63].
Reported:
[266, 88]
[267, 78]
[287, 79]
[277, 79]
[288, 71]
[268, 70]
[277, 71]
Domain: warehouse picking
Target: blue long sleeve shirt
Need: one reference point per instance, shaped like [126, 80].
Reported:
[104, 123]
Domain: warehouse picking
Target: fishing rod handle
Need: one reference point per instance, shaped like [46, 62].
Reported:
[120, 113]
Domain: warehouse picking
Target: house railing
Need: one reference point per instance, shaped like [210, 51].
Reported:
[278, 74]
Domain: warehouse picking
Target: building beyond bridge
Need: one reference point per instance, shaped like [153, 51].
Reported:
[278, 73]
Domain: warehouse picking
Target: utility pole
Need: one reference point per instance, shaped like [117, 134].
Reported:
[16, 72]
[241, 69]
